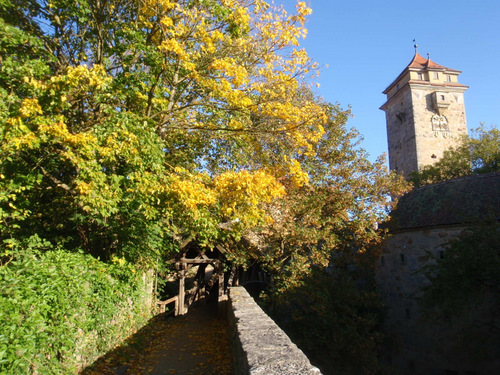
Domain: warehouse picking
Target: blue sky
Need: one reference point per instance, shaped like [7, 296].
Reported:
[367, 43]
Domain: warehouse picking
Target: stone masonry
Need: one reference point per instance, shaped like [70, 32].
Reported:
[261, 347]
[425, 114]
[423, 223]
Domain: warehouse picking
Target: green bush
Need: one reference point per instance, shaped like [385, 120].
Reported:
[335, 320]
[61, 310]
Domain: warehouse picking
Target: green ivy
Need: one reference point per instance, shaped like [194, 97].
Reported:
[61, 310]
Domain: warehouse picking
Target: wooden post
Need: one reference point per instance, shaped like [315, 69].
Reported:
[221, 286]
[182, 274]
[221, 298]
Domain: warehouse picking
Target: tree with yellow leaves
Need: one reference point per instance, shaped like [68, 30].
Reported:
[128, 113]
[129, 124]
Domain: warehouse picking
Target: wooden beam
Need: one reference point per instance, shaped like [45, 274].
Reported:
[163, 304]
[199, 261]
[170, 300]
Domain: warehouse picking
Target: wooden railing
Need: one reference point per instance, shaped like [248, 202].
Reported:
[163, 304]
[190, 297]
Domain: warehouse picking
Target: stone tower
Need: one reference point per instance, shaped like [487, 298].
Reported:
[425, 114]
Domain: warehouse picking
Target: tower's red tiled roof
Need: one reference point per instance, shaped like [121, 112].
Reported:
[420, 62]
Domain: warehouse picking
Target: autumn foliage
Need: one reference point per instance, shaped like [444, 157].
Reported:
[127, 126]
[132, 123]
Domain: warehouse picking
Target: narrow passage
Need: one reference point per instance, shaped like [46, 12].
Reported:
[196, 343]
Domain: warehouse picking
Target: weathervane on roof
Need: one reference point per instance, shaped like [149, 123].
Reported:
[428, 56]
[415, 46]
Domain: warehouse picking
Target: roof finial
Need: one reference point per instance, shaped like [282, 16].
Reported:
[428, 56]
[415, 46]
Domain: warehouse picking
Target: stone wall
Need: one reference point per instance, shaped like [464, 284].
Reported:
[418, 346]
[433, 139]
[417, 134]
[415, 346]
[421, 226]
[401, 132]
[259, 345]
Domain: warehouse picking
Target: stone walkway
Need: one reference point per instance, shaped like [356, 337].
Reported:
[196, 343]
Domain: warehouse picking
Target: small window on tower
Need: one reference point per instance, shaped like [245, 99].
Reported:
[421, 76]
[442, 97]
[436, 75]
[448, 78]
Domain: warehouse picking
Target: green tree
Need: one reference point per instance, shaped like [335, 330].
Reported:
[127, 125]
[332, 221]
[485, 150]
[476, 154]
[337, 212]
[335, 321]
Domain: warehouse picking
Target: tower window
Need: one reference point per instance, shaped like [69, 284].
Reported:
[448, 78]
[442, 97]
[402, 257]
[421, 76]
[436, 75]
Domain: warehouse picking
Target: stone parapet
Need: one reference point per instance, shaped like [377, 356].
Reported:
[259, 345]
